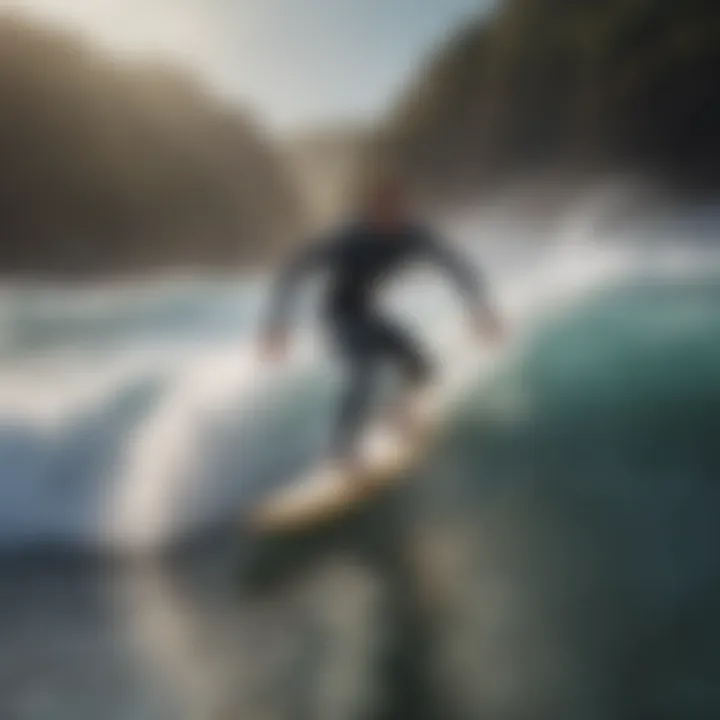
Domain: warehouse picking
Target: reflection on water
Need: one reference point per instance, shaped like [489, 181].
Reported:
[545, 602]
[557, 559]
[213, 636]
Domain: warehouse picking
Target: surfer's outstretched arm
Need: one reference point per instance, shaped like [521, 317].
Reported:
[288, 284]
[470, 281]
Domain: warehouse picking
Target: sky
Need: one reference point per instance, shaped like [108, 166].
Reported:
[297, 63]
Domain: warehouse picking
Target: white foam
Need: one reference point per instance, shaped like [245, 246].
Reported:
[137, 425]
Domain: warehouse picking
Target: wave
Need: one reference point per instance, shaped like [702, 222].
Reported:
[133, 415]
[557, 558]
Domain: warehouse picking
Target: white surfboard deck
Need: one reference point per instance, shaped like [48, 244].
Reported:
[328, 491]
[386, 457]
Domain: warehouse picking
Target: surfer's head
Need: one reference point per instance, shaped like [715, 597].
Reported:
[386, 201]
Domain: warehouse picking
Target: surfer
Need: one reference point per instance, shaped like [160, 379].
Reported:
[359, 259]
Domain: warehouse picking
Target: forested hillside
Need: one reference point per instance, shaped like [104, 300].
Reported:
[568, 85]
[111, 167]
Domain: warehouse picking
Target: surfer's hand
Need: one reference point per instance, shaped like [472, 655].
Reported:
[274, 345]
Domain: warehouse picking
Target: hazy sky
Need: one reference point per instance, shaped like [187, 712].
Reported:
[298, 62]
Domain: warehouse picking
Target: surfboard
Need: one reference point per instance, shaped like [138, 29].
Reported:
[387, 455]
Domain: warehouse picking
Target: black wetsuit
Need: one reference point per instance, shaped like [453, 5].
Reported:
[360, 259]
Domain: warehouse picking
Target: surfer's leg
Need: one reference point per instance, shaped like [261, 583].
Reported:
[398, 347]
[355, 342]
[367, 344]
[354, 406]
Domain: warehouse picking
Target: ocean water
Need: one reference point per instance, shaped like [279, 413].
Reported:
[557, 557]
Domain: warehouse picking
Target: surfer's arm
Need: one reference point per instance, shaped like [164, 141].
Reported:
[469, 280]
[289, 281]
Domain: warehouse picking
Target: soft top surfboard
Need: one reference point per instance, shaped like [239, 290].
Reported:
[330, 490]
[387, 456]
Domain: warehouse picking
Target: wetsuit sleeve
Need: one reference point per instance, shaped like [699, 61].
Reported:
[291, 277]
[468, 279]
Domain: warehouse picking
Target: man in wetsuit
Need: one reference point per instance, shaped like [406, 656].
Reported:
[359, 260]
